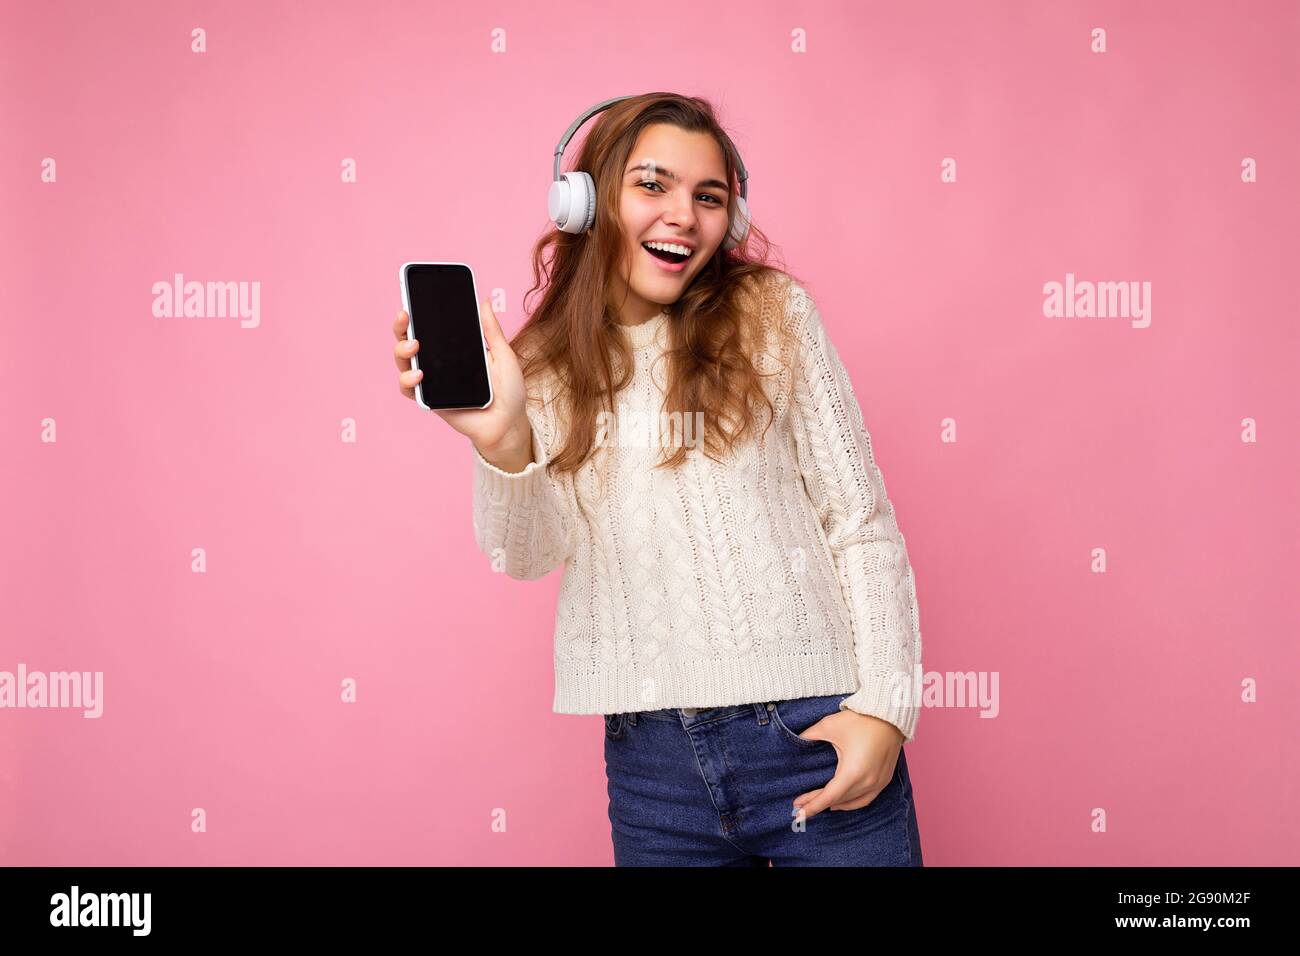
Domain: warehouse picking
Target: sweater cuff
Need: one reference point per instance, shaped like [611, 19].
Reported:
[881, 699]
[513, 485]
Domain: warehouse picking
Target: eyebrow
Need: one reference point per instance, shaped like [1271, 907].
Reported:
[664, 171]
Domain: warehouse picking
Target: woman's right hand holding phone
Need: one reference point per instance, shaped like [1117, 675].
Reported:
[501, 432]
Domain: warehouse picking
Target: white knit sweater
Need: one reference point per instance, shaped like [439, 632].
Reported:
[779, 573]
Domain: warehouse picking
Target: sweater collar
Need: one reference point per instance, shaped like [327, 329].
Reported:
[639, 336]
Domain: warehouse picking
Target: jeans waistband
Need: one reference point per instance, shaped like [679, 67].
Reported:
[692, 716]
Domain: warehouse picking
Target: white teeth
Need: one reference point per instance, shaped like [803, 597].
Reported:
[669, 247]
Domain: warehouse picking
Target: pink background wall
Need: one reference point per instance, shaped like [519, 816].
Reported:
[329, 560]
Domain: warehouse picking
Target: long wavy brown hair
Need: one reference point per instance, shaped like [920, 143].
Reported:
[572, 336]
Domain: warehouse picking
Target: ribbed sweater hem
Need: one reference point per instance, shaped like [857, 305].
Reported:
[723, 682]
[719, 682]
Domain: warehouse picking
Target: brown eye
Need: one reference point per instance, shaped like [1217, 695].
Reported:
[652, 182]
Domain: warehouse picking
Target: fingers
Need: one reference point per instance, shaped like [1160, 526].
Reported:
[403, 351]
[857, 804]
[492, 333]
[815, 801]
[406, 382]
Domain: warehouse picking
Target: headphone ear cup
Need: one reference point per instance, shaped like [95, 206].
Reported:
[571, 202]
[739, 224]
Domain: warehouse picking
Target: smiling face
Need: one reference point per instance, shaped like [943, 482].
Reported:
[674, 190]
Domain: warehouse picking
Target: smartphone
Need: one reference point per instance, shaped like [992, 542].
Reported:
[442, 309]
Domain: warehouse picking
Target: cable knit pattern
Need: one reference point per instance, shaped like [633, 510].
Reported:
[779, 573]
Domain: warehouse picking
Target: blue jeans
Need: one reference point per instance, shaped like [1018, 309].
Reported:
[716, 787]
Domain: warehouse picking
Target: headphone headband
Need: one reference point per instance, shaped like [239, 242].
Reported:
[741, 174]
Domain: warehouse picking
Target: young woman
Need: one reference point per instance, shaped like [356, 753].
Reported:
[737, 599]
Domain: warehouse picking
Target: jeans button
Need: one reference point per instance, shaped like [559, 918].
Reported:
[688, 711]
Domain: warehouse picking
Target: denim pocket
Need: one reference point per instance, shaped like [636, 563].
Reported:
[792, 717]
[615, 726]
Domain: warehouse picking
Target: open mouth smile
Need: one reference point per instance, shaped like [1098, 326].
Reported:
[668, 256]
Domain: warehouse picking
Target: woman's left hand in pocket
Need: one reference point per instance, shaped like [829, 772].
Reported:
[867, 748]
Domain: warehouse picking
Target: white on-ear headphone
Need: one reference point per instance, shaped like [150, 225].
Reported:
[572, 198]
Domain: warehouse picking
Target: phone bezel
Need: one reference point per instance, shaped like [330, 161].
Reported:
[410, 332]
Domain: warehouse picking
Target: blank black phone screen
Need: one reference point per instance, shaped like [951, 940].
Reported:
[445, 320]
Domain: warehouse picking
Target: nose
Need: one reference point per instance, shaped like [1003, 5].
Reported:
[682, 214]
